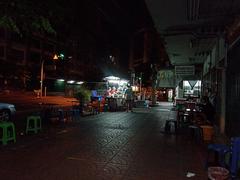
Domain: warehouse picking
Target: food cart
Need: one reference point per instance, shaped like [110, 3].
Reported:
[115, 92]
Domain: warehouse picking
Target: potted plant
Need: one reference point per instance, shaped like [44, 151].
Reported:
[83, 95]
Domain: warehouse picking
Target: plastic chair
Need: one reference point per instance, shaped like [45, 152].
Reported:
[34, 123]
[235, 156]
[222, 150]
[8, 132]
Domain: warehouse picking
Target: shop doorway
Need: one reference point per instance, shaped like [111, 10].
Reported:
[165, 94]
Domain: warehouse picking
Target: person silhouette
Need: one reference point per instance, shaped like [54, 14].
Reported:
[129, 98]
[208, 110]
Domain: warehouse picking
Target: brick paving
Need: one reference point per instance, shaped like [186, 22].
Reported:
[111, 146]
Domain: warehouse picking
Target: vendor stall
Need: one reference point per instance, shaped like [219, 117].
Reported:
[115, 92]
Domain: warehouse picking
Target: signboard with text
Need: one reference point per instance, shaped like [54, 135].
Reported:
[184, 70]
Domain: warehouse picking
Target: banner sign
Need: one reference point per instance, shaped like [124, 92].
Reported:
[165, 78]
[184, 70]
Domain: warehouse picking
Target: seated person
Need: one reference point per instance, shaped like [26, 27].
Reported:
[208, 109]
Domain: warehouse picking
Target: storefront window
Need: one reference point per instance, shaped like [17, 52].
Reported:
[192, 88]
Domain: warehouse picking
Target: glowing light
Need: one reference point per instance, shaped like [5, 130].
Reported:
[135, 88]
[116, 80]
[111, 78]
[122, 82]
[55, 57]
[60, 80]
[80, 82]
[71, 82]
[61, 56]
[113, 81]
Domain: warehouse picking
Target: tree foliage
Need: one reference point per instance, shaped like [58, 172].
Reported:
[83, 94]
[25, 16]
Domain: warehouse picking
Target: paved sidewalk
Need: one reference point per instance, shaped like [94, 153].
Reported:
[112, 145]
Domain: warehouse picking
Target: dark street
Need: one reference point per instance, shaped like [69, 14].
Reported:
[113, 89]
[116, 145]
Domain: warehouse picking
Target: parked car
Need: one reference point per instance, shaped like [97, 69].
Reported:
[7, 111]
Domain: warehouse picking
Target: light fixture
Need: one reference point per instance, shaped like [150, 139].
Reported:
[111, 78]
[135, 88]
[55, 57]
[113, 81]
[61, 56]
[70, 82]
[80, 82]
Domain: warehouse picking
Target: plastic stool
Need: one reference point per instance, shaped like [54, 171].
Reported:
[8, 132]
[34, 124]
[222, 150]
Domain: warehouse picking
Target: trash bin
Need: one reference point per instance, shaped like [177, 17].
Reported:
[218, 173]
[207, 132]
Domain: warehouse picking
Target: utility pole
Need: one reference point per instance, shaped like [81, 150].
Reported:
[140, 79]
[41, 78]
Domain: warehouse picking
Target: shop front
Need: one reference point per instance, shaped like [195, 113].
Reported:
[165, 85]
[165, 94]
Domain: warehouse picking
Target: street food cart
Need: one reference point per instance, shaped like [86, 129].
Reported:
[115, 92]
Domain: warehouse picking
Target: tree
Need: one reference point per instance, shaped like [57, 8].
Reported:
[25, 16]
[83, 95]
